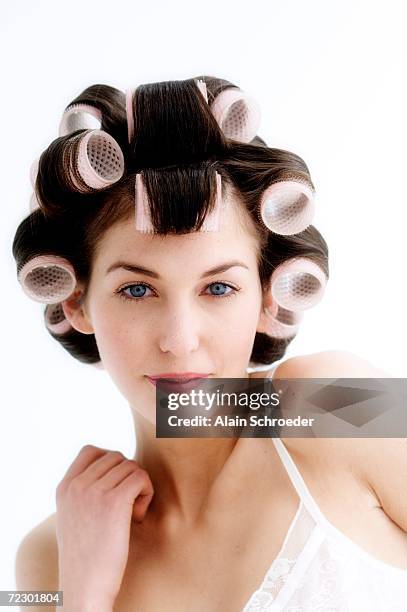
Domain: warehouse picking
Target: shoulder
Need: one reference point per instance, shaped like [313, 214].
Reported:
[379, 463]
[36, 560]
[333, 363]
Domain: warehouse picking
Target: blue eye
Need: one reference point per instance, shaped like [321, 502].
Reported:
[136, 295]
[219, 285]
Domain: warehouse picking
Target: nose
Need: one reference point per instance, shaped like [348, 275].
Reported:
[179, 331]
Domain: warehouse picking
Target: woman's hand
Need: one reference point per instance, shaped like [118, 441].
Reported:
[100, 494]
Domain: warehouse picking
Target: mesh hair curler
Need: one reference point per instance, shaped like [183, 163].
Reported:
[94, 161]
[282, 323]
[129, 113]
[55, 320]
[94, 158]
[80, 117]
[202, 88]
[287, 206]
[47, 278]
[237, 114]
[34, 204]
[295, 285]
[143, 221]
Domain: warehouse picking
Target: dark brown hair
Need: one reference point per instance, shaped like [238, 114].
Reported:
[178, 145]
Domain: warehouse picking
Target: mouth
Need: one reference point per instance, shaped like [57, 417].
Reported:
[177, 384]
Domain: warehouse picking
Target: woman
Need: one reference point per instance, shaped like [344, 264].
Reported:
[145, 205]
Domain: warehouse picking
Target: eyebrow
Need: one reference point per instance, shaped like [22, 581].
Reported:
[139, 270]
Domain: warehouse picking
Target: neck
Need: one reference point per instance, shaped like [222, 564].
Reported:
[193, 477]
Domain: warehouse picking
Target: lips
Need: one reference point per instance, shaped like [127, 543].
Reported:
[176, 380]
[179, 376]
[178, 384]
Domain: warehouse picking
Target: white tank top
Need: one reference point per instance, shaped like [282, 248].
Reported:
[320, 569]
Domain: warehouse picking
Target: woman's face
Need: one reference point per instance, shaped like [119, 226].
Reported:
[179, 317]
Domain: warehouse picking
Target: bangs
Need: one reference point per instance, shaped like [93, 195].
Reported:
[179, 198]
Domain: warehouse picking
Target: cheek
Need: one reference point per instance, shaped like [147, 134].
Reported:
[119, 338]
[238, 329]
[121, 350]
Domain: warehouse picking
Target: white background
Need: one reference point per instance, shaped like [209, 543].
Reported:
[329, 77]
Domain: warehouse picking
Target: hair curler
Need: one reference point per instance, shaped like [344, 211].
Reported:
[129, 113]
[202, 88]
[282, 323]
[47, 278]
[295, 285]
[237, 114]
[287, 207]
[94, 160]
[79, 117]
[55, 321]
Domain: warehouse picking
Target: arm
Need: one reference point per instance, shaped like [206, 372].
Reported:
[36, 569]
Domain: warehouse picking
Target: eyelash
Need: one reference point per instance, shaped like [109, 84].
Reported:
[123, 296]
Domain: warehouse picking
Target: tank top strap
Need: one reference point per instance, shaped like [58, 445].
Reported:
[298, 481]
[295, 475]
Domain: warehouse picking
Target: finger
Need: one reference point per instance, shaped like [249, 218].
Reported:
[102, 466]
[117, 474]
[141, 505]
[138, 490]
[136, 483]
[85, 457]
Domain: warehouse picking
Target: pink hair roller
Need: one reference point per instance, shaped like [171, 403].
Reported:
[55, 320]
[282, 323]
[212, 220]
[79, 117]
[47, 278]
[202, 88]
[98, 159]
[287, 207]
[143, 220]
[142, 216]
[34, 204]
[237, 114]
[297, 284]
[129, 113]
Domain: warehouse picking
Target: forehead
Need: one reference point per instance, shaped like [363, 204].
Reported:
[236, 236]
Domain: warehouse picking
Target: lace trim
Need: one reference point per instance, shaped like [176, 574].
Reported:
[274, 580]
[327, 583]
